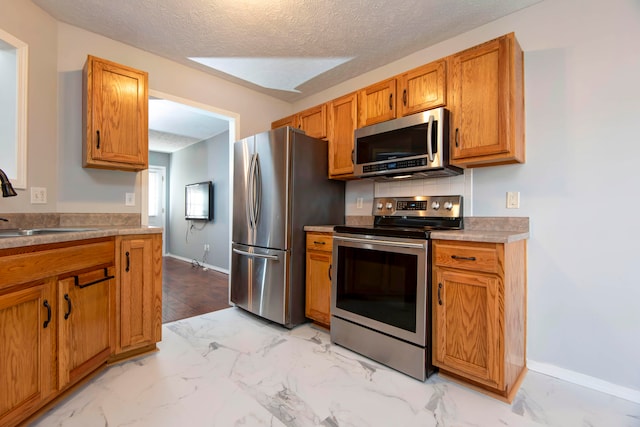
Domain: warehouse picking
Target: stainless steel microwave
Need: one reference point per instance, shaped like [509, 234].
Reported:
[415, 146]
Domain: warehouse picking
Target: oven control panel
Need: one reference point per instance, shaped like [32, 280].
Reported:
[418, 206]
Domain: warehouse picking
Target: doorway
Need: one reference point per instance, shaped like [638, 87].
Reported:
[157, 201]
[177, 127]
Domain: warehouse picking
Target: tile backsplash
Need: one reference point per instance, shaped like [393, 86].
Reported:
[360, 193]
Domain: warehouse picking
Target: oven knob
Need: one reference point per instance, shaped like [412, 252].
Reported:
[435, 205]
[379, 206]
[389, 205]
[448, 205]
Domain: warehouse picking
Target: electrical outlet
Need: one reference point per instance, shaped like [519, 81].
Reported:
[206, 247]
[130, 199]
[513, 199]
[359, 202]
[38, 195]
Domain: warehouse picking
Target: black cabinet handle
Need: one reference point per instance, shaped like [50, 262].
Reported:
[128, 262]
[98, 140]
[106, 277]
[68, 313]
[439, 296]
[315, 242]
[46, 322]
[353, 158]
[391, 101]
[464, 258]
[404, 97]
[330, 267]
[457, 137]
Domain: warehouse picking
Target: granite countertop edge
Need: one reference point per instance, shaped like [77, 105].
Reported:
[95, 232]
[477, 229]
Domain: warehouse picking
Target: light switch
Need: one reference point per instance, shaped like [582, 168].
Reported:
[130, 199]
[38, 195]
[513, 199]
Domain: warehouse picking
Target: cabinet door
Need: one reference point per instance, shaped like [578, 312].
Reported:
[84, 324]
[468, 326]
[318, 295]
[140, 291]
[342, 125]
[116, 116]
[313, 121]
[422, 88]
[290, 121]
[488, 104]
[27, 351]
[377, 103]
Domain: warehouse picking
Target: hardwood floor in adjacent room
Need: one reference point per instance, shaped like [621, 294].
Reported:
[189, 291]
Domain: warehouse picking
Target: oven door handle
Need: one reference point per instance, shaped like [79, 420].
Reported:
[380, 242]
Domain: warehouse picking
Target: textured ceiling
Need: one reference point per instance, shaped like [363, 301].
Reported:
[299, 46]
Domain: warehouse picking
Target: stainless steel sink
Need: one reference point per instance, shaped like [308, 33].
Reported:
[15, 232]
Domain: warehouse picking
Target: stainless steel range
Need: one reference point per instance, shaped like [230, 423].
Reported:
[381, 291]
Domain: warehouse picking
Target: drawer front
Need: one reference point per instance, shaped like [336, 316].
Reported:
[320, 241]
[30, 266]
[468, 256]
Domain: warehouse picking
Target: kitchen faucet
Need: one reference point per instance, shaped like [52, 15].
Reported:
[7, 188]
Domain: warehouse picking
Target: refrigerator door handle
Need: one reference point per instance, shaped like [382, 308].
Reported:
[257, 203]
[252, 255]
[250, 191]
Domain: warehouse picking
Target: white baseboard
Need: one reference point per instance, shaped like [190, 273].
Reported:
[585, 381]
[207, 266]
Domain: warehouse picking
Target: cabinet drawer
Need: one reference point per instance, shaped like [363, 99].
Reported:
[467, 256]
[320, 242]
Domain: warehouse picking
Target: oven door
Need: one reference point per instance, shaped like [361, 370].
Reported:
[382, 283]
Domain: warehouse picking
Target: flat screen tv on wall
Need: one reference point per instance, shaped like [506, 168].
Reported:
[198, 201]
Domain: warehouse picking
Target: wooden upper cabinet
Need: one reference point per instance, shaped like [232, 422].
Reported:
[422, 88]
[487, 104]
[342, 125]
[290, 121]
[377, 103]
[116, 118]
[313, 121]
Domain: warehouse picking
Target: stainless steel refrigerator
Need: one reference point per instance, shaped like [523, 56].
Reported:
[280, 185]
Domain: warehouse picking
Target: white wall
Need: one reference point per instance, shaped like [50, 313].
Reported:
[31, 25]
[207, 160]
[582, 68]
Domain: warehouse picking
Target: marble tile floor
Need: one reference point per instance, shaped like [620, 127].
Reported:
[230, 368]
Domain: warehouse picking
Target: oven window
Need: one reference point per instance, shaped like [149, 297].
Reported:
[378, 285]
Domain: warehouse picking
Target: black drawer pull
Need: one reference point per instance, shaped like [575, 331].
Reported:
[98, 139]
[46, 322]
[128, 262]
[330, 267]
[68, 313]
[390, 101]
[439, 296]
[106, 277]
[404, 97]
[464, 258]
[315, 242]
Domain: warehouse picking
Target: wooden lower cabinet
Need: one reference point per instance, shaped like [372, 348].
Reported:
[84, 324]
[68, 309]
[139, 292]
[479, 326]
[318, 282]
[27, 350]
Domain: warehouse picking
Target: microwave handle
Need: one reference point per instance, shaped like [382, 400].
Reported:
[429, 142]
